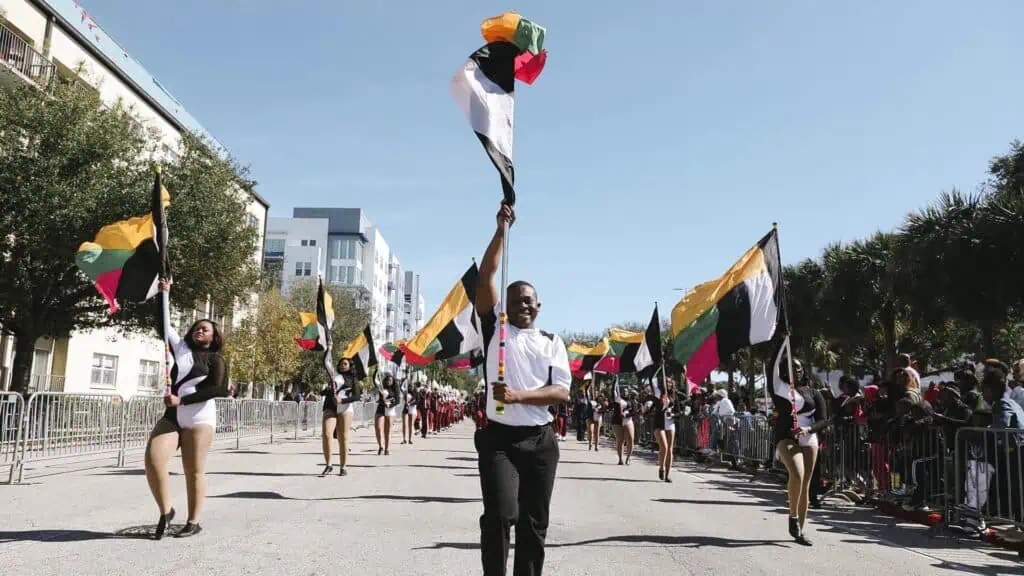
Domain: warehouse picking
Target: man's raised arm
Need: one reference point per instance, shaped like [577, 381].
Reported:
[486, 291]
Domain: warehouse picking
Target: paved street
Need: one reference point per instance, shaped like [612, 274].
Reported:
[416, 512]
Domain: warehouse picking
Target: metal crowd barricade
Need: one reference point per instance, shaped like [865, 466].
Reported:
[141, 414]
[227, 422]
[284, 419]
[989, 476]
[12, 410]
[255, 419]
[80, 426]
[310, 418]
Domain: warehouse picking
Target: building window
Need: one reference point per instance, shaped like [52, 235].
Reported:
[312, 242]
[305, 242]
[303, 268]
[275, 247]
[104, 371]
[149, 376]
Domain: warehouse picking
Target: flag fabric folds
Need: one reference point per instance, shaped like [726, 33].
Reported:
[308, 336]
[392, 352]
[126, 258]
[466, 361]
[324, 325]
[454, 329]
[739, 309]
[584, 359]
[638, 352]
[361, 353]
[485, 86]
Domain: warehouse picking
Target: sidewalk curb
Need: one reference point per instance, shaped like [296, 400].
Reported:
[924, 517]
[936, 519]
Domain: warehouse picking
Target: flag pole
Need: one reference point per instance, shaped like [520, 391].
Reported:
[785, 312]
[499, 407]
[165, 304]
[664, 371]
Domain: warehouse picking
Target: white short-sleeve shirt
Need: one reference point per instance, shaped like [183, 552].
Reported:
[533, 359]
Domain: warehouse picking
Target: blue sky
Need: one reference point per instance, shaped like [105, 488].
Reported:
[662, 140]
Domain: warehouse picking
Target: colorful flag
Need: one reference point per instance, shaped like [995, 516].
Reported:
[584, 359]
[454, 329]
[466, 361]
[485, 86]
[361, 353]
[638, 352]
[739, 309]
[126, 258]
[391, 352]
[308, 337]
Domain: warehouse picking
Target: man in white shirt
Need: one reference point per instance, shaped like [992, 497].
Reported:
[1017, 385]
[518, 452]
[724, 406]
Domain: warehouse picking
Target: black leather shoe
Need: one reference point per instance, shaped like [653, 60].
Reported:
[190, 529]
[162, 524]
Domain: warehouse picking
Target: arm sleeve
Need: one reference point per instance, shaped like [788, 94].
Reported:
[1001, 414]
[560, 375]
[173, 339]
[779, 386]
[215, 385]
[821, 420]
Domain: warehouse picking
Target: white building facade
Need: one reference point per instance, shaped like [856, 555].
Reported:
[412, 305]
[43, 40]
[345, 247]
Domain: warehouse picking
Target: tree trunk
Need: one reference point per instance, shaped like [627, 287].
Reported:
[21, 367]
[988, 334]
[889, 341]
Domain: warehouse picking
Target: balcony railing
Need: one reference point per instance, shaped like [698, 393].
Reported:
[19, 55]
[46, 383]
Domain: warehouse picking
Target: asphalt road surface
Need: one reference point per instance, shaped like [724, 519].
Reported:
[416, 512]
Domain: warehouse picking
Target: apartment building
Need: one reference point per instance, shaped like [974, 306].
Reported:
[347, 249]
[41, 40]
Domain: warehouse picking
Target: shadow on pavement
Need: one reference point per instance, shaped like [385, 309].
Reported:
[707, 502]
[396, 497]
[128, 472]
[143, 532]
[687, 541]
[866, 525]
[597, 479]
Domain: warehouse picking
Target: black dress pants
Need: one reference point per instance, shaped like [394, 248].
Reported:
[517, 474]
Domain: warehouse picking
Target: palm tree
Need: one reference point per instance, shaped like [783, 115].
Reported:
[958, 262]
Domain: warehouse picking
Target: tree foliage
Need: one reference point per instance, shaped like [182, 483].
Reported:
[70, 165]
[262, 348]
[349, 321]
[941, 287]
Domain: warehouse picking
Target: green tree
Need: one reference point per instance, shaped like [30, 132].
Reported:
[958, 264]
[262, 348]
[349, 321]
[70, 165]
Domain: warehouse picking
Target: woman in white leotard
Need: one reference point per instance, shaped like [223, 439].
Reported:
[347, 391]
[408, 412]
[197, 377]
[801, 416]
[387, 409]
[663, 407]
